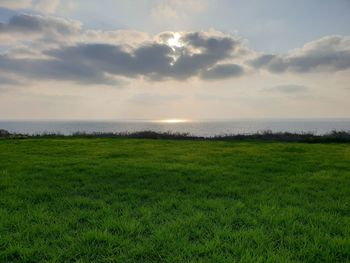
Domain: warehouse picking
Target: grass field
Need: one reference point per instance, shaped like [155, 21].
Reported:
[134, 200]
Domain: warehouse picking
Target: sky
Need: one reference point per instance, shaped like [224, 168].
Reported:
[184, 59]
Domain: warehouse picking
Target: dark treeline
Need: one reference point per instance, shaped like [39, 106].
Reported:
[334, 136]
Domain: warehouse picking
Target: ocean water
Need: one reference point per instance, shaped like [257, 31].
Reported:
[198, 128]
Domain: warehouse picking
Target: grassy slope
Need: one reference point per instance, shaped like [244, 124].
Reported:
[132, 200]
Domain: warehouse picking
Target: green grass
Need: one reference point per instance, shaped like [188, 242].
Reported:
[133, 200]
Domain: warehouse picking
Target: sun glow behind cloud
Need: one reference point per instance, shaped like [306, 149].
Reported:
[175, 40]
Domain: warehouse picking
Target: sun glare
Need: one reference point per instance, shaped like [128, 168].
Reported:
[175, 40]
[173, 121]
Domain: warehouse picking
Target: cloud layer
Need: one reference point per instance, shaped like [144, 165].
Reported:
[328, 54]
[24, 26]
[88, 62]
[59, 49]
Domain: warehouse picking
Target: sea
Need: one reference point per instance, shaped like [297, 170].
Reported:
[206, 128]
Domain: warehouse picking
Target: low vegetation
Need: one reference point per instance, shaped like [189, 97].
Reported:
[334, 136]
[75, 199]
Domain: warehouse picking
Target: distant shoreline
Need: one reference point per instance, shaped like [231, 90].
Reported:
[334, 136]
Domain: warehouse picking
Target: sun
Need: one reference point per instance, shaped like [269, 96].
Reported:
[175, 40]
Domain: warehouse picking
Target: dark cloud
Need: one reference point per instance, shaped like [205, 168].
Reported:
[219, 46]
[60, 50]
[5, 81]
[36, 24]
[289, 88]
[100, 63]
[52, 69]
[212, 50]
[223, 71]
[329, 54]
[262, 60]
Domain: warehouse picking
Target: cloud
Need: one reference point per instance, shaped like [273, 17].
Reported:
[38, 30]
[57, 49]
[37, 24]
[289, 88]
[6, 81]
[98, 63]
[328, 54]
[51, 29]
[51, 69]
[223, 71]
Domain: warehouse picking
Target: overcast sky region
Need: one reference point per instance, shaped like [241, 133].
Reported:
[187, 59]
